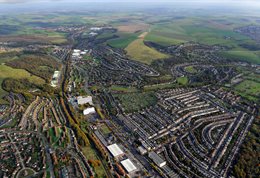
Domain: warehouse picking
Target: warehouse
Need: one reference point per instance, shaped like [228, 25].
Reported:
[89, 111]
[115, 150]
[157, 159]
[84, 100]
[129, 166]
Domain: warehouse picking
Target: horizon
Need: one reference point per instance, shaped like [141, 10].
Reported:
[29, 6]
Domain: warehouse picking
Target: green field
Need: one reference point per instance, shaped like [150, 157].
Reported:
[138, 51]
[105, 130]
[124, 40]
[249, 89]
[190, 69]
[193, 29]
[133, 102]
[159, 86]
[210, 32]
[8, 72]
[243, 54]
[182, 80]
[125, 89]
[90, 154]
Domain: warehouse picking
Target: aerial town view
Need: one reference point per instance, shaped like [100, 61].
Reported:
[129, 89]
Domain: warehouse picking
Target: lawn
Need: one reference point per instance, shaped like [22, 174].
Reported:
[190, 69]
[105, 130]
[142, 53]
[183, 80]
[9, 72]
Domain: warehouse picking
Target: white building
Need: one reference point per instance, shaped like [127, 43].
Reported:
[115, 150]
[55, 78]
[84, 100]
[129, 166]
[89, 111]
[76, 50]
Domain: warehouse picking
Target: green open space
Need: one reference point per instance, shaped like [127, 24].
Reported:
[190, 69]
[133, 102]
[119, 88]
[182, 80]
[249, 89]
[160, 86]
[138, 51]
[194, 29]
[90, 154]
[105, 130]
[123, 40]
[243, 55]
[9, 72]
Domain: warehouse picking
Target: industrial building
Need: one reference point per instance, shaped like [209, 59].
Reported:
[89, 111]
[129, 166]
[84, 100]
[157, 159]
[115, 150]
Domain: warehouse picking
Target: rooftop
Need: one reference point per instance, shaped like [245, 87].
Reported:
[128, 165]
[115, 150]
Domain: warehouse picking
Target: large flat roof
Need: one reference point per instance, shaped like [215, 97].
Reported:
[128, 165]
[115, 150]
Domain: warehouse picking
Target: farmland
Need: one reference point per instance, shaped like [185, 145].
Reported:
[142, 53]
[123, 40]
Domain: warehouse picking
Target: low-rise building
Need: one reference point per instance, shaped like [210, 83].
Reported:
[115, 150]
[84, 100]
[157, 159]
[128, 166]
[89, 111]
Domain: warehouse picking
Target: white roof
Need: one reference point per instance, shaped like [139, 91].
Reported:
[76, 54]
[115, 150]
[76, 50]
[89, 111]
[84, 100]
[56, 74]
[128, 165]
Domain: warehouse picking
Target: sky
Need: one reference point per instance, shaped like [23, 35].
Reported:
[15, 6]
[198, 1]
